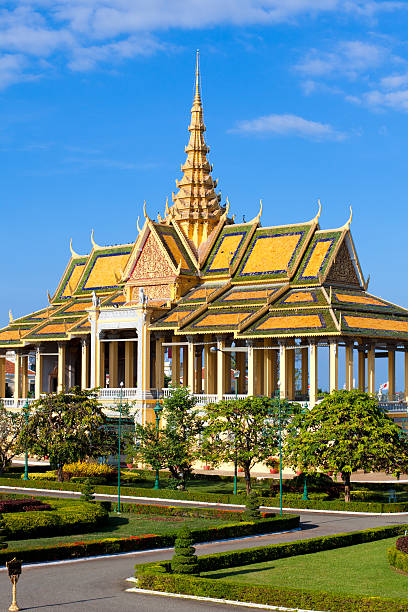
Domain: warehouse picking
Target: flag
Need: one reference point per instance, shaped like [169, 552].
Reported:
[384, 386]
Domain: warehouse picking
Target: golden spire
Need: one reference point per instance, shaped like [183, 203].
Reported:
[196, 205]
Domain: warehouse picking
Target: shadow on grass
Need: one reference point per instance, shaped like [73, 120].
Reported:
[239, 572]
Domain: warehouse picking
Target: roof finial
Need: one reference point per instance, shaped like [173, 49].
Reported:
[95, 246]
[138, 225]
[346, 226]
[73, 253]
[197, 97]
[10, 316]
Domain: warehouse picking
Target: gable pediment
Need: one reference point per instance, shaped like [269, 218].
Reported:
[152, 262]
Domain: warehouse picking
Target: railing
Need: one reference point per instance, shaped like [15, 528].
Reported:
[232, 396]
[393, 406]
[10, 402]
[114, 393]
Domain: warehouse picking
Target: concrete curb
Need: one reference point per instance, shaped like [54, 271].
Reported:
[214, 600]
[134, 499]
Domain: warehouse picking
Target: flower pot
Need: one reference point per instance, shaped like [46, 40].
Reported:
[273, 470]
[129, 466]
[240, 470]
[206, 467]
[299, 472]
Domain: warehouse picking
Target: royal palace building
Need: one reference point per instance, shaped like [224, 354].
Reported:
[268, 299]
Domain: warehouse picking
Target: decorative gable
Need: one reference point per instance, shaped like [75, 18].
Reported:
[152, 262]
[343, 269]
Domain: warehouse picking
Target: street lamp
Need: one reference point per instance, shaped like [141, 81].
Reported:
[280, 405]
[26, 414]
[119, 435]
[157, 412]
[235, 376]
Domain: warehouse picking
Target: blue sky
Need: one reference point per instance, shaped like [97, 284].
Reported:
[303, 99]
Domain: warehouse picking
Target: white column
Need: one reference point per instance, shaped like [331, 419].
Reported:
[406, 374]
[61, 367]
[191, 364]
[38, 372]
[251, 369]
[334, 366]
[220, 369]
[313, 368]
[371, 369]
[2, 377]
[84, 363]
[283, 373]
[305, 370]
[95, 373]
[349, 367]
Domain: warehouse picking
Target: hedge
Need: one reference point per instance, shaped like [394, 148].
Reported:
[247, 556]
[224, 515]
[71, 517]
[397, 559]
[115, 545]
[335, 505]
[157, 576]
[275, 596]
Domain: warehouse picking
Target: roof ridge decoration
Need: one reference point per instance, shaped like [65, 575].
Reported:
[73, 253]
[196, 205]
[94, 245]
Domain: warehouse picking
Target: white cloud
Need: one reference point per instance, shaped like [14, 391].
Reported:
[396, 100]
[289, 125]
[350, 58]
[86, 33]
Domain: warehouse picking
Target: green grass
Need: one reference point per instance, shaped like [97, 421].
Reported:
[126, 524]
[354, 570]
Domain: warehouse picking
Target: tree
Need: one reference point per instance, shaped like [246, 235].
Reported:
[176, 448]
[184, 560]
[245, 430]
[67, 427]
[346, 432]
[10, 428]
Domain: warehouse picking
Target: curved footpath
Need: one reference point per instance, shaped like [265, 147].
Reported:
[99, 584]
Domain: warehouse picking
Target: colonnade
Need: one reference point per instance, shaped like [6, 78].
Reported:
[265, 365]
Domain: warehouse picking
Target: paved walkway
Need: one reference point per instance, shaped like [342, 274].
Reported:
[99, 585]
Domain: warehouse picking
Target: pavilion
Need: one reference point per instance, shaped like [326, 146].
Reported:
[265, 297]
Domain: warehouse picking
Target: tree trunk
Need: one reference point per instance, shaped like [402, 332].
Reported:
[59, 473]
[247, 473]
[346, 480]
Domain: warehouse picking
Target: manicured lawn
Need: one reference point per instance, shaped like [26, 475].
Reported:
[121, 526]
[355, 570]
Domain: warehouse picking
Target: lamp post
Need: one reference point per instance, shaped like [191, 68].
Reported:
[280, 449]
[305, 495]
[157, 412]
[26, 414]
[235, 376]
[119, 435]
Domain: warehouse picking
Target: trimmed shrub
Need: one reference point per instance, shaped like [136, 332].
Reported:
[402, 544]
[49, 476]
[184, 560]
[86, 469]
[88, 492]
[397, 559]
[266, 595]
[64, 519]
[22, 505]
[252, 512]
[334, 505]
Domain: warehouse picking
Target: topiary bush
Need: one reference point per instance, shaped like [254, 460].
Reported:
[252, 512]
[402, 544]
[184, 560]
[88, 492]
